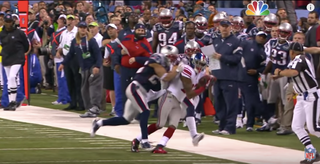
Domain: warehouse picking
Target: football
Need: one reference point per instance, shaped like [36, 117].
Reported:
[204, 79]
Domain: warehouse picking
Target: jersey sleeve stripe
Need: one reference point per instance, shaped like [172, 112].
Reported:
[186, 72]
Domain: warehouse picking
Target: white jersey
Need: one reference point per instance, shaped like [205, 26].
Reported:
[175, 85]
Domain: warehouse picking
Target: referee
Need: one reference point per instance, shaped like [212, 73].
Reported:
[302, 75]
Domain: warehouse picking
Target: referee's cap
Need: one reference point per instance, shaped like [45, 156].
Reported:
[295, 46]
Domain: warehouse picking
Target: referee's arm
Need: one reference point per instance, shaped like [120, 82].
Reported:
[312, 50]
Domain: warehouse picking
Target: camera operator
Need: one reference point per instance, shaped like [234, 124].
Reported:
[14, 46]
[44, 31]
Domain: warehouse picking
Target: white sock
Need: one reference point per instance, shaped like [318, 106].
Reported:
[191, 122]
[99, 122]
[310, 146]
[239, 115]
[139, 137]
[164, 140]
[13, 97]
[198, 116]
[144, 140]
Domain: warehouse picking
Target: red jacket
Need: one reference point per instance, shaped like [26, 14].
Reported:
[140, 49]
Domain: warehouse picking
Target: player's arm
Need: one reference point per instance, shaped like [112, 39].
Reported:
[268, 68]
[296, 67]
[267, 51]
[155, 40]
[187, 87]
[162, 72]
[312, 50]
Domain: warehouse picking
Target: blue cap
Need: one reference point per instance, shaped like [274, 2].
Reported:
[82, 24]
[2, 13]
[225, 22]
[8, 17]
[139, 26]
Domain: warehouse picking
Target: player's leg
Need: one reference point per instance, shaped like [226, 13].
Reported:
[191, 122]
[138, 97]
[165, 107]
[174, 118]
[129, 114]
[239, 123]
[301, 114]
[270, 107]
[12, 73]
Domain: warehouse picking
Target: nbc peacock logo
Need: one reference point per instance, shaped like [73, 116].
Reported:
[257, 8]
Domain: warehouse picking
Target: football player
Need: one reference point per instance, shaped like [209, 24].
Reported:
[171, 104]
[167, 31]
[237, 28]
[147, 78]
[216, 21]
[269, 21]
[277, 51]
[201, 30]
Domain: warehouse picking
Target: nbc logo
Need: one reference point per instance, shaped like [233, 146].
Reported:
[257, 8]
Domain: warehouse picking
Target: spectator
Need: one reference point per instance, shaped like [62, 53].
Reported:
[33, 22]
[274, 32]
[282, 13]
[84, 50]
[89, 19]
[71, 70]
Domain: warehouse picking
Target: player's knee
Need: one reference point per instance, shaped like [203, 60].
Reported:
[11, 79]
[160, 125]
[296, 128]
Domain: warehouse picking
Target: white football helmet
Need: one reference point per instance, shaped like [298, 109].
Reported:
[269, 21]
[171, 53]
[285, 31]
[201, 24]
[237, 23]
[165, 17]
[191, 47]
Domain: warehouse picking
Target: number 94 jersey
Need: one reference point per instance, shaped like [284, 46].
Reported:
[168, 36]
[278, 54]
[147, 76]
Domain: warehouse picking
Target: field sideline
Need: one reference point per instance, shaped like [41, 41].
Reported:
[211, 146]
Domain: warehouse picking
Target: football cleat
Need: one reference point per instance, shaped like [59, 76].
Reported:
[95, 127]
[159, 150]
[135, 145]
[146, 146]
[197, 138]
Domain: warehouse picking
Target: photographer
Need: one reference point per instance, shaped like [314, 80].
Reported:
[44, 31]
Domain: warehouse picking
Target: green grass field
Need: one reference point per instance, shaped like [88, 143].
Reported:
[266, 138]
[35, 144]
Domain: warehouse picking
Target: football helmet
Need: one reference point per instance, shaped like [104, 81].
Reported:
[201, 24]
[269, 21]
[191, 47]
[284, 31]
[219, 17]
[171, 53]
[165, 17]
[199, 62]
[237, 23]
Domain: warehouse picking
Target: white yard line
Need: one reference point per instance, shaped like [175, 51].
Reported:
[123, 161]
[212, 146]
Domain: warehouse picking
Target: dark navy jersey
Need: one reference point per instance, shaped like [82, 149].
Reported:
[253, 32]
[147, 76]
[241, 36]
[168, 36]
[278, 54]
[206, 39]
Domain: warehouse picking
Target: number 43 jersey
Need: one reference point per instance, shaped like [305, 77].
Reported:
[168, 36]
[278, 54]
[146, 75]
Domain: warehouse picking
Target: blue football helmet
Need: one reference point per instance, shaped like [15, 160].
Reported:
[199, 62]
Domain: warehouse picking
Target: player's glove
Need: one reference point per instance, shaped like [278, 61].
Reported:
[177, 62]
[210, 81]
[180, 67]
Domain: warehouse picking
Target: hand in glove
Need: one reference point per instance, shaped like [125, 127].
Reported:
[180, 68]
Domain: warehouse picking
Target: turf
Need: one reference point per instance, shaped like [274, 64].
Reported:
[266, 138]
[35, 144]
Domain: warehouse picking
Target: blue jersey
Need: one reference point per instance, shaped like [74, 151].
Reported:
[241, 36]
[278, 54]
[147, 76]
[253, 32]
[168, 36]
[206, 39]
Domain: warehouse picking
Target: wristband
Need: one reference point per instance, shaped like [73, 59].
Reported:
[200, 90]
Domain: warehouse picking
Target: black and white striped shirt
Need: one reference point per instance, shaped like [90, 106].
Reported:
[305, 81]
